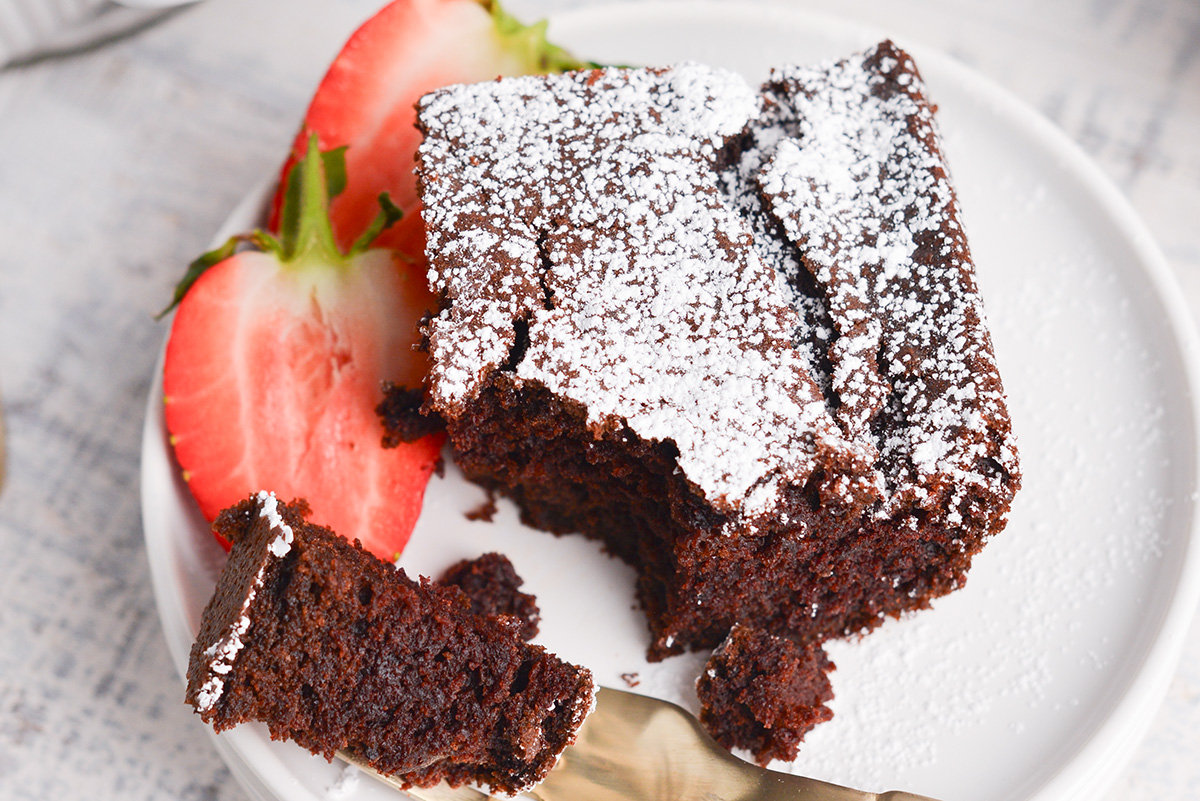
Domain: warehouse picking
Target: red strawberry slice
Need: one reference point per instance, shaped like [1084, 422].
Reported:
[367, 100]
[275, 364]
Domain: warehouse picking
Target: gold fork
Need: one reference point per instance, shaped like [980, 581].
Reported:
[635, 748]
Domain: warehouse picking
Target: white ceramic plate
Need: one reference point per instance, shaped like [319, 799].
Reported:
[1034, 682]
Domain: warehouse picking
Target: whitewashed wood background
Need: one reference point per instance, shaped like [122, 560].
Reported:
[117, 166]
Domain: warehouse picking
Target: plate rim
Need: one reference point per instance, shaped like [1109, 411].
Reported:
[1107, 749]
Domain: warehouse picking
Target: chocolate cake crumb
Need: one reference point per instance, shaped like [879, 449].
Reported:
[493, 587]
[484, 511]
[404, 417]
[764, 693]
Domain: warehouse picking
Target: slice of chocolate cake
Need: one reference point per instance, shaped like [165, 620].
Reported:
[733, 334]
[335, 649]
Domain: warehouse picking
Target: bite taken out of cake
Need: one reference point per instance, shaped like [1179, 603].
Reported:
[336, 649]
[732, 333]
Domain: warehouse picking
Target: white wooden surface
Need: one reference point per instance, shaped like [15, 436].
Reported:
[117, 166]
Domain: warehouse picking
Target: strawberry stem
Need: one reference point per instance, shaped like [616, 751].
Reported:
[305, 232]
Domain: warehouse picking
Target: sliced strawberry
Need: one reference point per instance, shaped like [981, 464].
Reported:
[367, 100]
[275, 365]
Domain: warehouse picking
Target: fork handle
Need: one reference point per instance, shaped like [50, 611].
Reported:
[756, 785]
[770, 785]
[725, 778]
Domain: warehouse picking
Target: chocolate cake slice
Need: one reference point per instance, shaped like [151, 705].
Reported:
[733, 334]
[335, 649]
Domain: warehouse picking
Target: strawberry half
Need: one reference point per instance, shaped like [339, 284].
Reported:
[367, 100]
[275, 363]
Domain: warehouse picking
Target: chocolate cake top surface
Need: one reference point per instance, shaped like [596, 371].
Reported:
[587, 206]
[858, 181]
[587, 232]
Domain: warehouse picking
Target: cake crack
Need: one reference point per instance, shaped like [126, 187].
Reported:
[851, 168]
[547, 267]
[519, 346]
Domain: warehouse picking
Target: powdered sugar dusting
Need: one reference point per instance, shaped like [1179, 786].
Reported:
[852, 169]
[222, 653]
[772, 282]
[270, 510]
[591, 202]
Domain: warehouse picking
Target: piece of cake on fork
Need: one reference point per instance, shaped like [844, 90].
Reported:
[335, 649]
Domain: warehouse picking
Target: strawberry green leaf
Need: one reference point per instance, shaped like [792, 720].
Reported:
[198, 267]
[334, 162]
[389, 215]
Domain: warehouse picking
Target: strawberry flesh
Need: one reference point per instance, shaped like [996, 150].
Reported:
[274, 367]
[275, 361]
